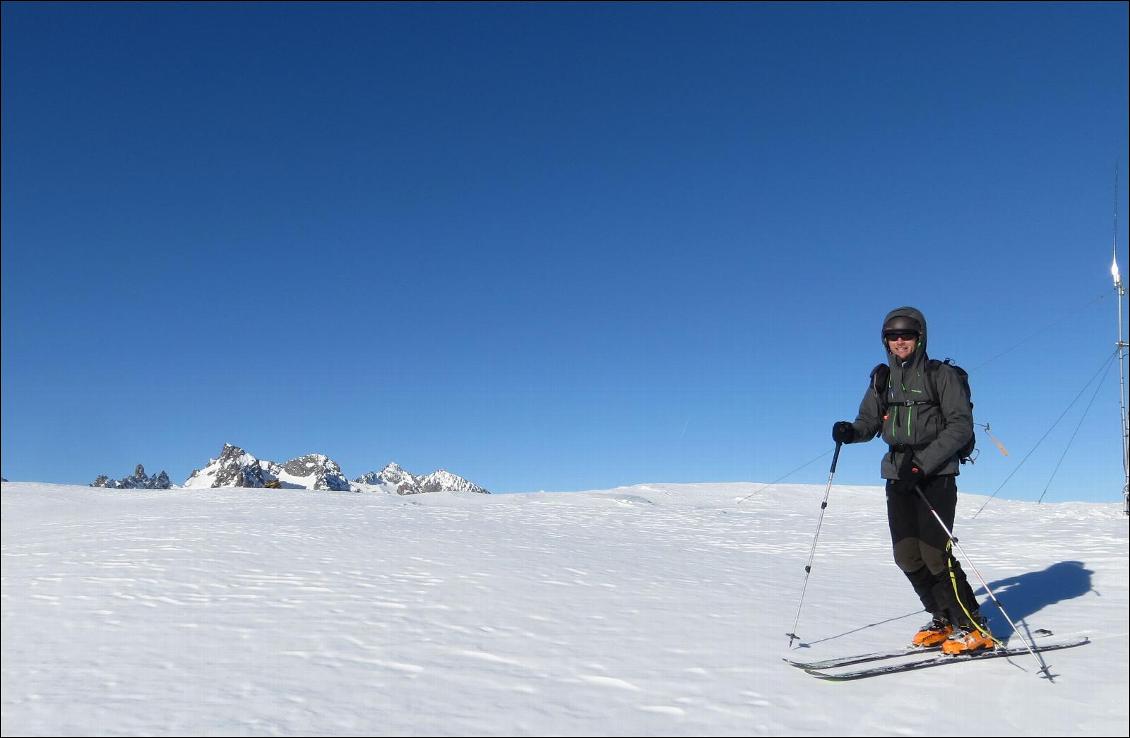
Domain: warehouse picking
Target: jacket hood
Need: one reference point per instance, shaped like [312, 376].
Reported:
[914, 314]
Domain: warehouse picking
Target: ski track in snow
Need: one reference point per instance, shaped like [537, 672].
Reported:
[650, 610]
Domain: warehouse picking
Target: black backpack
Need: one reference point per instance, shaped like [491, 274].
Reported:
[881, 377]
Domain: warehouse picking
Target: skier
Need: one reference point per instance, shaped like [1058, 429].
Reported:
[924, 434]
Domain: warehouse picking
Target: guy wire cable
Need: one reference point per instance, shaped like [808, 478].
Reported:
[1039, 331]
[1046, 433]
[1078, 425]
[780, 479]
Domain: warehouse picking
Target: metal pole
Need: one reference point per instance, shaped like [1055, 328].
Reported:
[812, 554]
[949, 533]
[1122, 345]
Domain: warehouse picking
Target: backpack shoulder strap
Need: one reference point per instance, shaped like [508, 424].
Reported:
[934, 366]
[932, 379]
[880, 378]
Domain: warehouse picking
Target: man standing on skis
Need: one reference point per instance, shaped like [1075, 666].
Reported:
[924, 434]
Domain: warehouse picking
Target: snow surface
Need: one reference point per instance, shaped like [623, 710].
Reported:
[646, 610]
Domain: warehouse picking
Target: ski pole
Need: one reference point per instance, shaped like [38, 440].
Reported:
[812, 554]
[949, 534]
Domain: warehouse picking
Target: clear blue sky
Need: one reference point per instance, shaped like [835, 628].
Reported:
[554, 246]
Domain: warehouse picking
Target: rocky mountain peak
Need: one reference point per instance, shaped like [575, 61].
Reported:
[234, 468]
[138, 480]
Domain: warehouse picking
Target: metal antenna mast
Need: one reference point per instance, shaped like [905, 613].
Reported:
[1120, 290]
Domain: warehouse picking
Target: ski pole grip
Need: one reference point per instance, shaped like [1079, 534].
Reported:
[835, 457]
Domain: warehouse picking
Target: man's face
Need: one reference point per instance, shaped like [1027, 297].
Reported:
[902, 343]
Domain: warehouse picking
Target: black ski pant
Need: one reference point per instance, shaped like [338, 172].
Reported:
[923, 550]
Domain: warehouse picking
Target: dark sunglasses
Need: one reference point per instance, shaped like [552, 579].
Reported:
[901, 335]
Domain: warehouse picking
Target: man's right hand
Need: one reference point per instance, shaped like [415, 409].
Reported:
[843, 432]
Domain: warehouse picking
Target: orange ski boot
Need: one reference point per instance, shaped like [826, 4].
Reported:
[967, 640]
[933, 633]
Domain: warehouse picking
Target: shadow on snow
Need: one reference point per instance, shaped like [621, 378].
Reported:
[1027, 594]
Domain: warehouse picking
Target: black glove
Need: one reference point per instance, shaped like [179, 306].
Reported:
[910, 476]
[843, 432]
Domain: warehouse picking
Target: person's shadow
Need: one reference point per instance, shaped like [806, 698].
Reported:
[1027, 594]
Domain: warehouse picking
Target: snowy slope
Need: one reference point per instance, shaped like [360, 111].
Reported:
[649, 610]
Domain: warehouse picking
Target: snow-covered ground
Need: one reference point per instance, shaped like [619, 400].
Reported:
[648, 610]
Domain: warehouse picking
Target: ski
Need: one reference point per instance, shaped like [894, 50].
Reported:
[943, 660]
[862, 658]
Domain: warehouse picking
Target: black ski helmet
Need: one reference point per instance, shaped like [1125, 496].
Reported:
[902, 323]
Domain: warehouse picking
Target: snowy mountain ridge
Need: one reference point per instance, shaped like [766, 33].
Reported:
[235, 467]
[395, 480]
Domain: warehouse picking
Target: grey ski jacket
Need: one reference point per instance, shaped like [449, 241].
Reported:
[933, 432]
